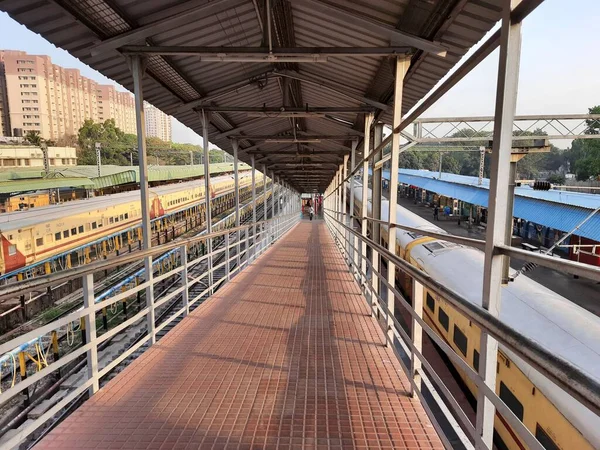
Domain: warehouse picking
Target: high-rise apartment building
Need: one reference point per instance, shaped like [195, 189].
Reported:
[40, 96]
[120, 106]
[158, 124]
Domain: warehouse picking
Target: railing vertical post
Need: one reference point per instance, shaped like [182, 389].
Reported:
[365, 194]
[227, 257]
[247, 231]
[185, 296]
[401, 68]
[416, 334]
[506, 99]
[90, 332]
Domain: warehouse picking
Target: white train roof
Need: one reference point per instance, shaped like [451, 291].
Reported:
[561, 326]
[23, 219]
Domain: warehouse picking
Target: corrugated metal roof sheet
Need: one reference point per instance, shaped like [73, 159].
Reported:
[78, 25]
[9, 187]
[17, 180]
[547, 210]
[583, 200]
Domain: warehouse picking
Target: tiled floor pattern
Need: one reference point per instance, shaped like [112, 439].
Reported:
[285, 356]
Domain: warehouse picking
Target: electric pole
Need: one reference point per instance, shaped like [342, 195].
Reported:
[98, 158]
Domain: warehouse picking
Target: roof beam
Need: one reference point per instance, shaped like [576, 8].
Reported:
[295, 153]
[360, 22]
[225, 52]
[295, 171]
[226, 89]
[337, 88]
[300, 138]
[291, 110]
[171, 20]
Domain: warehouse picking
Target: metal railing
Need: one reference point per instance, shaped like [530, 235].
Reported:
[239, 247]
[355, 248]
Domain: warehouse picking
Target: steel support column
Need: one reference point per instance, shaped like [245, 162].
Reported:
[265, 216]
[207, 194]
[236, 194]
[401, 68]
[338, 201]
[350, 222]
[253, 164]
[376, 209]
[138, 69]
[506, 98]
[365, 194]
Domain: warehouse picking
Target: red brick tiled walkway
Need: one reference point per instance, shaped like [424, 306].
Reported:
[285, 356]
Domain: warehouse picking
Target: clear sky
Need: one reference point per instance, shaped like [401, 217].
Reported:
[560, 65]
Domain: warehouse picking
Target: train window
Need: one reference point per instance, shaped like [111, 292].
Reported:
[39, 242]
[57, 236]
[81, 228]
[73, 231]
[476, 360]
[460, 340]
[12, 250]
[443, 318]
[430, 303]
[511, 401]
[545, 440]
[94, 225]
[66, 233]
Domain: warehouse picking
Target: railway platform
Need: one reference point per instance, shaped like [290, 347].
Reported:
[286, 355]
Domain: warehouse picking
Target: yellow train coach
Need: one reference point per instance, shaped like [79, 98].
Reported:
[556, 419]
[41, 233]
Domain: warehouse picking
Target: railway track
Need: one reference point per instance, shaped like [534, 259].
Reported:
[74, 375]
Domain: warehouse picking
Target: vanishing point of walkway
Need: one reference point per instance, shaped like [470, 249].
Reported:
[285, 356]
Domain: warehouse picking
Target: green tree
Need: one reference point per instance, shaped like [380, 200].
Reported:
[556, 179]
[584, 154]
[113, 143]
[33, 137]
[216, 156]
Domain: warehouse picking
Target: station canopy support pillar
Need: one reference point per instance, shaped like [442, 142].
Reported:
[376, 207]
[402, 64]
[272, 200]
[264, 192]
[253, 163]
[207, 193]
[138, 68]
[506, 98]
[236, 194]
[365, 192]
[350, 223]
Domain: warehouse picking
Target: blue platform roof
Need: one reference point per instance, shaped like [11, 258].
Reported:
[556, 209]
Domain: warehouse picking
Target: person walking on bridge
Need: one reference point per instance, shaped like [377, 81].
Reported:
[311, 212]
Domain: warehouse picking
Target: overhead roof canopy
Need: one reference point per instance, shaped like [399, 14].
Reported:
[297, 108]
